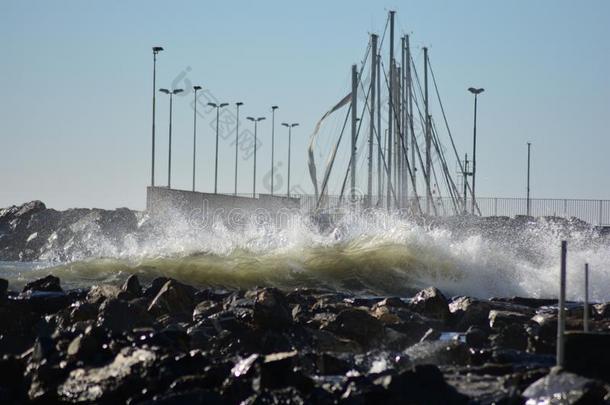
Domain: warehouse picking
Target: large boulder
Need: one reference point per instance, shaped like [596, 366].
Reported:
[49, 283]
[431, 303]
[173, 299]
[358, 325]
[112, 383]
[570, 388]
[271, 309]
[117, 316]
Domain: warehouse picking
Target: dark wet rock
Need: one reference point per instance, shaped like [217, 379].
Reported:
[499, 319]
[567, 387]
[358, 325]
[588, 354]
[49, 283]
[476, 337]
[83, 311]
[88, 347]
[132, 286]
[175, 299]
[271, 309]
[155, 286]
[99, 293]
[3, 289]
[468, 312]
[511, 336]
[327, 364]
[204, 309]
[424, 384]
[45, 302]
[527, 302]
[117, 315]
[110, 383]
[13, 386]
[431, 303]
[327, 341]
[439, 352]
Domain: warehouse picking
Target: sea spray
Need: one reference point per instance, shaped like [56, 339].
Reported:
[373, 254]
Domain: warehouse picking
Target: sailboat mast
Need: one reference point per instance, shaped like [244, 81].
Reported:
[372, 119]
[390, 111]
[427, 133]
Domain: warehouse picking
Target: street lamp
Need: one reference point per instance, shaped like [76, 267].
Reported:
[529, 147]
[195, 88]
[218, 107]
[256, 121]
[169, 164]
[238, 104]
[273, 108]
[476, 92]
[289, 126]
[156, 50]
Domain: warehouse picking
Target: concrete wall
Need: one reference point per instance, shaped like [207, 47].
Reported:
[161, 201]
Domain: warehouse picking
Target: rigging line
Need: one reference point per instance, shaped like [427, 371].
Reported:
[332, 162]
[449, 132]
[401, 133]
[453, 188]
[444, 168]
[361, 116]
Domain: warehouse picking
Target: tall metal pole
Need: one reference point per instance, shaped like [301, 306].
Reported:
[398, 134]
[410, 117]
[273, 108]
[427, 134]
[195, 88]
[404, 127]
[390, 111]
[254, 171]
[289, 146]
[236, 143]
[561, 318]
[216, 160]
[585, 321]
[465, 174]
[379, 143]
[372, 119]
[169, 164]
[474, 154]
[354, 129]
[529, 145]
[155, 50]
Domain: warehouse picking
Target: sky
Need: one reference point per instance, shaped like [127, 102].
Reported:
[75, 115]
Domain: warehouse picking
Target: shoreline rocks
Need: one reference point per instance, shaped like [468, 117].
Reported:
[171, 343]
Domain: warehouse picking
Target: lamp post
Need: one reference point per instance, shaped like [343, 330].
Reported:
[156, 50]
[195, 88]
[169, 164]
[529, 146]
[218, 107]
[289, 126]
[273, 108]
[237, 105]
[256, 121]
[476, 92]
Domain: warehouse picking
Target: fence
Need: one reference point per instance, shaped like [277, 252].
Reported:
[595, 212]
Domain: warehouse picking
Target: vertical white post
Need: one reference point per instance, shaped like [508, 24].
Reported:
[585, 321]
[561, 321]
[354, 130]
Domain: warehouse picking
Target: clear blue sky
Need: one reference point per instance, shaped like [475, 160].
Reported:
[76, 77]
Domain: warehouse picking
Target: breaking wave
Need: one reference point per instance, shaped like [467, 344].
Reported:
[377, 254]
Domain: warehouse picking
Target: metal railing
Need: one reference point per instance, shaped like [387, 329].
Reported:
[594, 212]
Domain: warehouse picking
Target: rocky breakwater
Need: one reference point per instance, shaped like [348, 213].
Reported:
[32, 231]
[171, 343]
